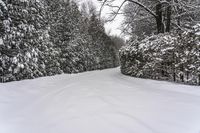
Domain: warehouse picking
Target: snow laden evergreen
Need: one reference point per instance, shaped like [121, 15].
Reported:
[42, 38]
[165, 56]
[20, 48]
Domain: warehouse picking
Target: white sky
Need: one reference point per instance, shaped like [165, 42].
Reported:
[112, 27]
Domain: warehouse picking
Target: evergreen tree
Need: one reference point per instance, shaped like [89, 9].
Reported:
[43, 38]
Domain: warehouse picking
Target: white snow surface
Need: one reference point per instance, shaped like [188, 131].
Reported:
[98, 102]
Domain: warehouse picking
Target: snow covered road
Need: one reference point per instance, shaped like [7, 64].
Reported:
[98, 102]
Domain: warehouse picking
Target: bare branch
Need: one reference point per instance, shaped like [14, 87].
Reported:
[143, 6]
[104, 2]
[119, 8]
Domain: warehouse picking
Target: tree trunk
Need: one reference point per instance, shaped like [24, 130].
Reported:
[187, 73]
[174, 77]
[199, 79]
[174, 67]
[168, 21]
[182, 78]
[179, 18]
[159, 18]
[182, 74]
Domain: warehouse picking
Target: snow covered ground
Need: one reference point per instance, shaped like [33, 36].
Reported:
[98, 102]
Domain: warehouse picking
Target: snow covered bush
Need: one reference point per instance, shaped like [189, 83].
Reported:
[164, 56]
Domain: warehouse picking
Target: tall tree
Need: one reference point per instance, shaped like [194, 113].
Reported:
[160, 10]
[40, 38]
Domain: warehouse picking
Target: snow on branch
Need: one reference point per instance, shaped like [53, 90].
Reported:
[115, 13]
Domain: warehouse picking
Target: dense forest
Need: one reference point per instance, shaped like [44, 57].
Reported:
[48, 37]
[164, 39]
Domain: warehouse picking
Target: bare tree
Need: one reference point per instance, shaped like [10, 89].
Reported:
[160, 10]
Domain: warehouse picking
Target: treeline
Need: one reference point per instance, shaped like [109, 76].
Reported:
[48, 37]
[164, 40]
[173, 57]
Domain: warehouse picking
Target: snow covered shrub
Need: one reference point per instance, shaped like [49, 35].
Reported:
[146, 58]
[188, 61]
[164, 56]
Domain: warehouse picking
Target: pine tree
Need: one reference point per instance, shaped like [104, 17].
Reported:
[43, 38]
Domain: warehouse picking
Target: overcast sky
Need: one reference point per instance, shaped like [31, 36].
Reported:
[113, 26]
